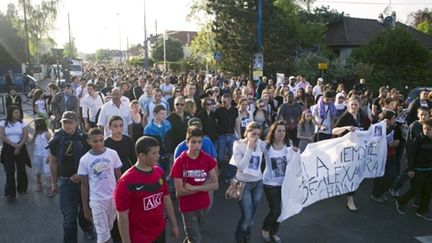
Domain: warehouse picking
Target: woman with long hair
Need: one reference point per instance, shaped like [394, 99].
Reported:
[177, 91]
[207, 117]
[137, 120]
[349, 121]
[261, 116]
[306, 130]
[14, 156]
[247, 157]
[39, 105]
[190, 107]
[277, 153]
[300, 97]
[41, 166]
[245, 115]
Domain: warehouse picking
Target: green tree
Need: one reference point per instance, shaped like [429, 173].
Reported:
[68, 47]
[174, 50]
[425, 26]
[12, 44]
[286, 29]
[203, 46]
[397, 58]
[234, 26]
[103, 56]
[422, 20]
[40, 20]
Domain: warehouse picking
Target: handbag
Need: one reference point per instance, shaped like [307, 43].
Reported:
[235, 190]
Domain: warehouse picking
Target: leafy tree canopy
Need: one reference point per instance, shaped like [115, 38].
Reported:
[396, 56]
[174, 50]
[232, 30]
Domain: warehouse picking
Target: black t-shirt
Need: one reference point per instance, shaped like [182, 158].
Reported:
[125, 149]
[360, 88]
[68, 166]
[378, 105]
[178, 127]
[226, 119]
[346, 119]
[209, 124]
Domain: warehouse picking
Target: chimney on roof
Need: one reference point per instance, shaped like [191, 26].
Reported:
[394, 19]
[380, 18]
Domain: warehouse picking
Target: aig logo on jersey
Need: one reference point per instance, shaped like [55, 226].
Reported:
[152, 201]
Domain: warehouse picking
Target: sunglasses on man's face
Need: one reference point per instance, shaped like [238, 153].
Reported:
[180, 104]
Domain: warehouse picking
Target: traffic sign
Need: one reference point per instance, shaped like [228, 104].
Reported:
[258, 65]
[217, 56]
[322, 66]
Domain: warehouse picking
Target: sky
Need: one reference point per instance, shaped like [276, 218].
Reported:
[112, 24]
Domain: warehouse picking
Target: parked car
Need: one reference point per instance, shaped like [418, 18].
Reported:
[415, 93]
[17, 82]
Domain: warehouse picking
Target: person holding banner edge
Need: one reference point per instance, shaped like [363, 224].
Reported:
[383, 183]
[277, 152]
[351, 120]
[247, 157]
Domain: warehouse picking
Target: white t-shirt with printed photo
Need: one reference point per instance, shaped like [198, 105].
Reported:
[100, 171]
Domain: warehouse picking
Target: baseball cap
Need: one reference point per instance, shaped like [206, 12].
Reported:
[320, 79]
[291, 77]
[69, 116]
[194, 122]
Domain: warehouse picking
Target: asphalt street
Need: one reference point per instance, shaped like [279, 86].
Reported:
[34, 218]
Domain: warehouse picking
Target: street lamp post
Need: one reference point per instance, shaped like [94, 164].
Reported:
[146, 61]
[27, 36]
[119, 33]
[259, 25]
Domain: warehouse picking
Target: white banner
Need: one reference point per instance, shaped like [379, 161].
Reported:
[333, 167]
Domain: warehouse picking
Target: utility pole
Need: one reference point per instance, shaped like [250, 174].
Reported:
[259, 25]
[127, 48]
[119, 33]
[27, 37]
[165, 37]
[146, 57]
[70, 38]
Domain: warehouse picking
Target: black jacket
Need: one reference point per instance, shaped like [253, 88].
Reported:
[419, 154]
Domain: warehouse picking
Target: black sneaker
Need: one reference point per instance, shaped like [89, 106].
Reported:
[378, 199]
[415, 204]
[90, 235]
[426, 216]
[394, 193]
[399, 208]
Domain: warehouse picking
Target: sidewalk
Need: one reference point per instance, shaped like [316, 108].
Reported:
[26, 105]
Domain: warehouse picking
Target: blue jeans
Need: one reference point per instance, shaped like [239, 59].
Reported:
[71, 207]
[225, 146]
[252, 194]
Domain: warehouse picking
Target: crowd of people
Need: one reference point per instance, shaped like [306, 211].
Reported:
[118, 145]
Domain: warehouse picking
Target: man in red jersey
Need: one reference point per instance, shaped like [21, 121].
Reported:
[194, 174]
[142, 195]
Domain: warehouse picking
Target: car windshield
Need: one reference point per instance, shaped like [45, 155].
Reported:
[75, 68]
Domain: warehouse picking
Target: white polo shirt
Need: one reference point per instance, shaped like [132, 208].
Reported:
[91, 105]
[108, 110]
[83, 94]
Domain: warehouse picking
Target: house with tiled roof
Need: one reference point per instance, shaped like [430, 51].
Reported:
[349, 33]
